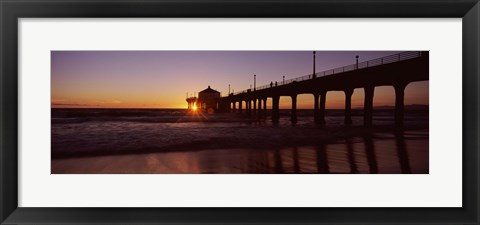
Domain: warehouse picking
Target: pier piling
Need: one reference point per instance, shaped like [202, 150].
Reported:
[294, 109]
[275, 109]
[316, 113]
[321, 114]
[259, 109]
[399, 103]
[368, 106]
[265, 108]
[348, 106]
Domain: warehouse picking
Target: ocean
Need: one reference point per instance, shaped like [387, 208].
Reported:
[175, 141]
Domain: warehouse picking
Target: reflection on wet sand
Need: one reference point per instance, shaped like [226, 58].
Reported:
[400, 152]
[370, 150]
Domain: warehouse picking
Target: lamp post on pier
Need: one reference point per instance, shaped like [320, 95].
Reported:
[314, 75]
[283, 79]
[254, 82]
[357, 62]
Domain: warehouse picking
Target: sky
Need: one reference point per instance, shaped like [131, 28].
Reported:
[162, 79]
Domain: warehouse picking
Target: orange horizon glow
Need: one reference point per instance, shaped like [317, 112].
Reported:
[415, 94]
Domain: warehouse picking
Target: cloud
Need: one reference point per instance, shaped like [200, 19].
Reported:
[66, 104]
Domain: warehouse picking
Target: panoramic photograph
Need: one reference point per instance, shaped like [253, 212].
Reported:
[240, 112]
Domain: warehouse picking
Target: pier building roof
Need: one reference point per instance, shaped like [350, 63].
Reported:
[209, 90]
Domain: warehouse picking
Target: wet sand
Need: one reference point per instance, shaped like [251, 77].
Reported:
[377, 151]
[164, 141]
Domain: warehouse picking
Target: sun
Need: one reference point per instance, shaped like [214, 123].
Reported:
[194, 108]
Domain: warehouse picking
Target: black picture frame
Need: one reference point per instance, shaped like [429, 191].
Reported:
[12, 10]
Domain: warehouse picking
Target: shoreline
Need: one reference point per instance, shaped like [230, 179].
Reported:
[278, 137]
[380, 152]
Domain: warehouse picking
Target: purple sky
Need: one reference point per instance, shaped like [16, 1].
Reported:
[161, 79]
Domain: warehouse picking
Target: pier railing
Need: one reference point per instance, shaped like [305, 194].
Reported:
[361, 65]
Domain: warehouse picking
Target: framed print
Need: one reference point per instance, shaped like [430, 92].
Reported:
[228, 112]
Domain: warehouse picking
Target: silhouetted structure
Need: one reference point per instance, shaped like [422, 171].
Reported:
[208, 100]
[395, 70]
[192, 103]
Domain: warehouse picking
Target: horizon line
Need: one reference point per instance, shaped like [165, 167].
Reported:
[187, 109]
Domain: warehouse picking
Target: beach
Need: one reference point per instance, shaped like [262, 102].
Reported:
[177, 142]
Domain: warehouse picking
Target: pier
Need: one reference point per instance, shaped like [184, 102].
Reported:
[395, 70]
